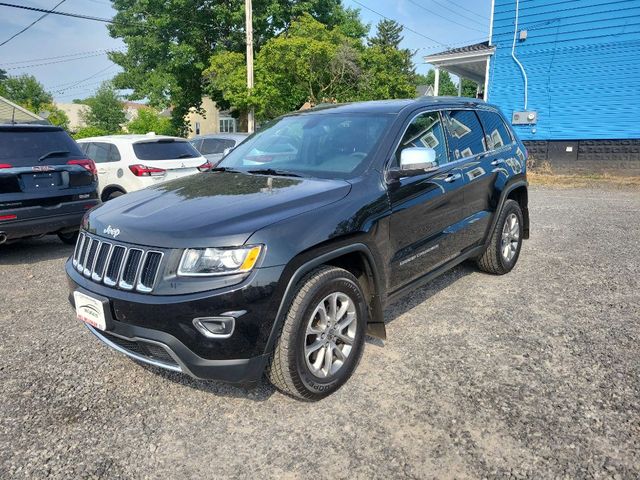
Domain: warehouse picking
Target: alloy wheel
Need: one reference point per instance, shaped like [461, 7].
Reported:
[510, 237]
[330, 335]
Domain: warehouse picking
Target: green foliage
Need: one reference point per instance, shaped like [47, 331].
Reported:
[311, 62]
[105, 110]
[170, 42]
[447, 87]
[26, 91]
[388, 35]
[86, 132]
[148, 120]
[469, 88]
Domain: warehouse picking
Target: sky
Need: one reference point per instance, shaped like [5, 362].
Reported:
[430, 25]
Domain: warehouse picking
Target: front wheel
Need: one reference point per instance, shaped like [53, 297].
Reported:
[322, 337]
[70, 238]
[504, 247]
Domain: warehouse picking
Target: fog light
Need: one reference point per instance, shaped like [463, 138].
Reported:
[215, 327]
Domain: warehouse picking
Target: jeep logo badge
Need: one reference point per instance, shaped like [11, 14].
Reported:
[114, 232]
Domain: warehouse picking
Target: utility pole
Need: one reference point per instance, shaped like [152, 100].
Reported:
[248, 11]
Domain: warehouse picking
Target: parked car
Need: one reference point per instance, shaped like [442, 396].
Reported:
[213, 147]
[287, 266]
[46, 183]
[127, 163]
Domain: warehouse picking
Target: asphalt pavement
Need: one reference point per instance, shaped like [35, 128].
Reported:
[535, 374]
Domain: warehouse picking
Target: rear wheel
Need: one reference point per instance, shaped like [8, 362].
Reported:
[504, 247]
[323, 335]
[114, 194]
[70, 238]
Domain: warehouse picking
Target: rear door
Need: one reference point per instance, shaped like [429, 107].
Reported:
[468, 145]
[426, 208]
[107, 158]
[41, 166]
[177, 157]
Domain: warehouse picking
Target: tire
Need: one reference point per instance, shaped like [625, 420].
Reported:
[70, 238]
[312, 377]
[497, 258]
[114, 194]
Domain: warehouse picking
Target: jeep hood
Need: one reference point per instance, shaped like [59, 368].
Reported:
[212, 209]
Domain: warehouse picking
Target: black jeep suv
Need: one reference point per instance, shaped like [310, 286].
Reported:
[285, 256]
[46, 183]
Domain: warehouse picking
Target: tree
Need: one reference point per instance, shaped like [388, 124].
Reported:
[389, 70]
[148, 120]
[3, 74]
[447, 87]
[311, 62]
[86, 132]
[105, 110]
[170, 42]
[388, 35]
[308, 62]
[26, 91]
[469, 88]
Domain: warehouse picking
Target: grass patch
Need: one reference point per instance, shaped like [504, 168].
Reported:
[581, 180]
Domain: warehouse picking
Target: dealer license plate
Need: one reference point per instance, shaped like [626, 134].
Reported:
[90, 310]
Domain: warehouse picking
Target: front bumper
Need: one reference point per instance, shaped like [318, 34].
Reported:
[159, 330]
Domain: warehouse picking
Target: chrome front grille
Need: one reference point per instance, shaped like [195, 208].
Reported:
[115, 265]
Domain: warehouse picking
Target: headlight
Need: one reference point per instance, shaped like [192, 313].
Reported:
[218, 261]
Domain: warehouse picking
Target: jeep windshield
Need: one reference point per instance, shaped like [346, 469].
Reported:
[324, 145]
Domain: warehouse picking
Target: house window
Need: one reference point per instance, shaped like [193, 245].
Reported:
[227, 125]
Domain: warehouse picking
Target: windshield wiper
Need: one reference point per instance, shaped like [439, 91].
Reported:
[224, 169]
[55, 153]
[274, 172]
[186, 155]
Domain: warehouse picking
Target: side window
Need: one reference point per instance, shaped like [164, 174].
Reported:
[465, 131]
[216, 145]
[98, 152]
[114, 154]
[83, 147]
[496, 131]
[425, 131]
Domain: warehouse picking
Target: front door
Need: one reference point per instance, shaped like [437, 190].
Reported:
[426, 208]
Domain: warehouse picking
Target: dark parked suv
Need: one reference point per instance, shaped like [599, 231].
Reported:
[285, 256]
[46, 183]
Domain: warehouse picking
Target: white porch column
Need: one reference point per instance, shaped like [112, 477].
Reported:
[436, 86]
[459, 86]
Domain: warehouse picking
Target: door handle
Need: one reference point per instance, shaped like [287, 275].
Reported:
[102, 171]
[495, 163]
[453, 177]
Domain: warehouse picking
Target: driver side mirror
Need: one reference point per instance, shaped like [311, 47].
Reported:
[415, 161]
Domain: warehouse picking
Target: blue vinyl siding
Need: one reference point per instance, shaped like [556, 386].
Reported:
[582, 59]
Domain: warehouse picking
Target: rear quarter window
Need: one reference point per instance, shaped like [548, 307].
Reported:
[25, 148]
[164, 150]
[497, 133]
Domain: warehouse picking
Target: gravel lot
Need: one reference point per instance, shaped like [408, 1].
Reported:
[533, 374]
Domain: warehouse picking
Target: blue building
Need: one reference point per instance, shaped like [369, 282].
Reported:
[567, 73]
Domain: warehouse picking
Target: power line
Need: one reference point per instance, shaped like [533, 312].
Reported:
[31, 24]
[20, 67]
[403, 26]
[65, 14]
[101, 51]
[74, 84]
[457, 12]
[446, 18]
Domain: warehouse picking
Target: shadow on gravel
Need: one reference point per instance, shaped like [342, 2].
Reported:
[422, 294]
[32, 251]
[259, 393]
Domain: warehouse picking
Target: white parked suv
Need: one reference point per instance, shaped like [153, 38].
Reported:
[130, 162]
